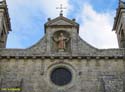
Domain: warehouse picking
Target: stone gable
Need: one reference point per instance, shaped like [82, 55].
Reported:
[62, 61]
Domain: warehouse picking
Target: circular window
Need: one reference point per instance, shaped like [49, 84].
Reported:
[61, 76]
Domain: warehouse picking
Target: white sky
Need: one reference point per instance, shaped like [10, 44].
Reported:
[28, 18]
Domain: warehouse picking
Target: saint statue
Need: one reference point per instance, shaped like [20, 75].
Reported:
[61, 42]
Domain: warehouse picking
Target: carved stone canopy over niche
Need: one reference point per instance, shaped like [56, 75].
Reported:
[61, 41]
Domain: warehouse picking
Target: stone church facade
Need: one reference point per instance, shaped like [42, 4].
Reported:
[61, 61]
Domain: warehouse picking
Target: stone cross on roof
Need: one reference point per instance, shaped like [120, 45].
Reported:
[61, 9]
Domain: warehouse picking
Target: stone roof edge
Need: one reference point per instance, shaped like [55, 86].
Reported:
[88, 44]
[38, 42]
[64, 57]
[30, 53]
[60, 17]
[25, 52]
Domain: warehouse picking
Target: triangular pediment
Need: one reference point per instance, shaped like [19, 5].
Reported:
[61, 21]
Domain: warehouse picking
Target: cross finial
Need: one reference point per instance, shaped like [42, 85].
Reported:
[61, 9]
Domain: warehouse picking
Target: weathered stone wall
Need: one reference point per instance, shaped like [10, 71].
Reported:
[92, 69]
[89, 75]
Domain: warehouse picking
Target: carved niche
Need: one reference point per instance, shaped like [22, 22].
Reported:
[61, 41]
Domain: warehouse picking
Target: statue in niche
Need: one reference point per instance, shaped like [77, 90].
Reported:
[61, 41]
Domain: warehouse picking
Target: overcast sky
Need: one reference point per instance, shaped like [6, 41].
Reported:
[94, 16]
